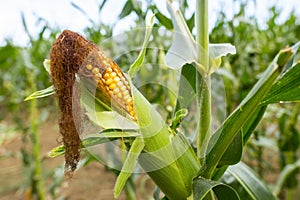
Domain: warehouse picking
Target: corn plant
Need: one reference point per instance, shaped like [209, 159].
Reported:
[83, 76]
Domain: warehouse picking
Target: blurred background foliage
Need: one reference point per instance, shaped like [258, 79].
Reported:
[276, 143]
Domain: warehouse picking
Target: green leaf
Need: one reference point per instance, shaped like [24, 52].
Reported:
[57, 151]
[250, 182]
[226, 133]
[165, 21]
[289, 77]
[102, 137]
[135, 67]
[127, 9]
[179, 115]
[233, 153]
[284, 175]
[202, 187]
[46, 64]
[252, 123]
[45, 92]
[187, 87]
[41, 93]
[129, 165]
[287, 88]
[191, 22]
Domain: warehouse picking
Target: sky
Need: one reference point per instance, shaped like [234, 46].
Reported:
[61, 14]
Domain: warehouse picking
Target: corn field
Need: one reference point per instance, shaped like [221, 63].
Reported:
[168, 109]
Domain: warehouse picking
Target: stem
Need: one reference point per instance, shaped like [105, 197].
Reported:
[203, 80]
[37, 176]
[201, 22]
[204, 104]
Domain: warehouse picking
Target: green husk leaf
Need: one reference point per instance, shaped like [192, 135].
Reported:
[91, 103]
[41, 93]
[135, 67]
[129, 165]
[188, 171]
[159, 157]
[202, 187]
[111, 120]
[250, 182]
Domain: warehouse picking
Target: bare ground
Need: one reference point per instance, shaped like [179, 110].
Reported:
[90, 182]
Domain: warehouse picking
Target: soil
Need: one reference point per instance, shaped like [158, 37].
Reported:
[92, 181]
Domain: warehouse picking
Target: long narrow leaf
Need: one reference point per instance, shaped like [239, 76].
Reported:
[223, 192]
[103, 137]
[285, 173]
[226, 133]
[250, 182]
[129, 165]
[187, 87]
[41, 93]
[233, 153]
[135, 67]
[287, 88]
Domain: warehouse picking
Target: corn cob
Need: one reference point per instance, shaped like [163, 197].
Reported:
[72, 54]
[112, 84]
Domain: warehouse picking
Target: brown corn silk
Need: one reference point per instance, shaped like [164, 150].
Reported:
[72, 54]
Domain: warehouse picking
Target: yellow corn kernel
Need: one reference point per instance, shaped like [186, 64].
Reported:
[109, 81]
[119, 95]
[112, 86]
[106, 64]
[95, 71]
[129, 100]
[116, 79]
[109, 69]
[98, 75]
[113, 74]
[126, 93]
[132, 113]
[116, 90]
[89, 67]
[123, 88]
[106, 76]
